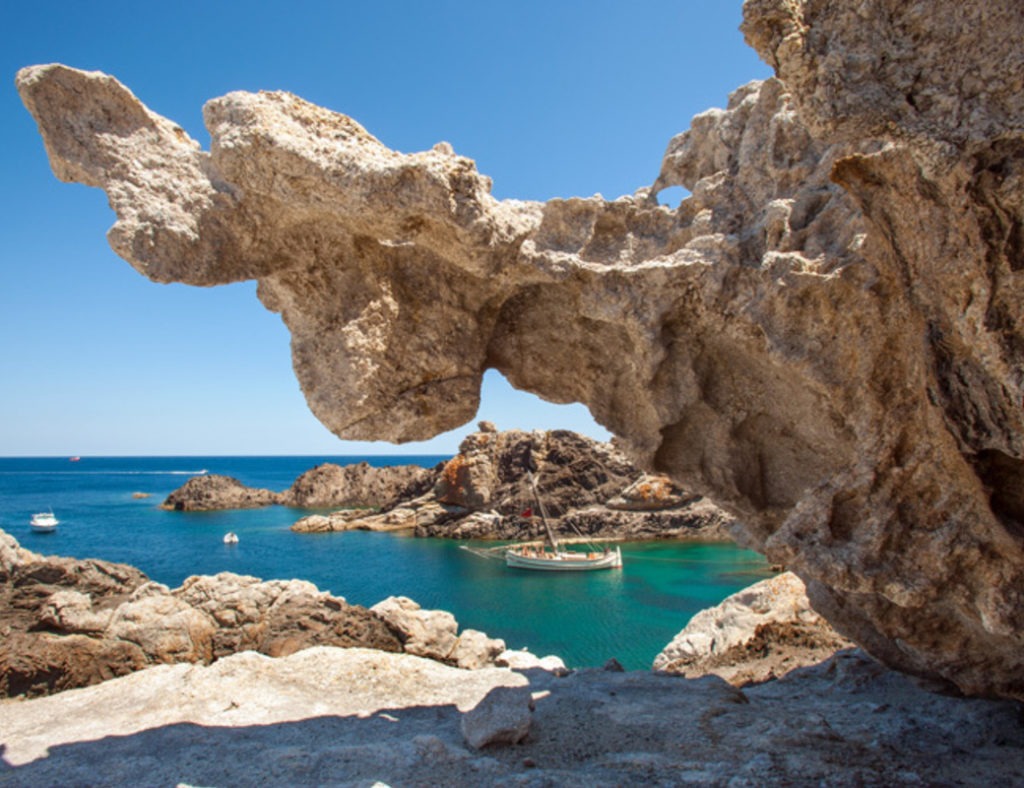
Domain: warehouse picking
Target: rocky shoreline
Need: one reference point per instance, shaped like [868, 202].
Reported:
[68, 623]
[279, 674]
[588, 488]
[321, 714]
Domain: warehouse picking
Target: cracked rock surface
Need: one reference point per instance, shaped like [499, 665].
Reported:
[825, 337]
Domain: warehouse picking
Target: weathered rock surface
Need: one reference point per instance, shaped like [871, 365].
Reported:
[208, 493]
[357, 485]
[650, 494]
[67, 623]
[434, 634]
[328, 716]
[343, 520]
[490, 472]
[759, 633]
[325, 485]
[484, 490]
[826, 337]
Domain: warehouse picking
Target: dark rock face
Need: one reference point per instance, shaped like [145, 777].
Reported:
[484, 492]
[68, 623]
[490, 472]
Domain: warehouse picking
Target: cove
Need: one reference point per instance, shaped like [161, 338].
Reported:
[584, 618]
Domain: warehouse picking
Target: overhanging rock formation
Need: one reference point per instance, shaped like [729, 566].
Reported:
[825, 337]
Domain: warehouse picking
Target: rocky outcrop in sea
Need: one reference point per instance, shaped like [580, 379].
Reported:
[587, 488]
[325, 485]
[69, 623]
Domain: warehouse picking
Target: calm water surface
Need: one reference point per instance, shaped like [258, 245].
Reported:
[585, 618]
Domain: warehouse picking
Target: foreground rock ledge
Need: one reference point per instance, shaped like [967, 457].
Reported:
[329, 716]
[826, 337]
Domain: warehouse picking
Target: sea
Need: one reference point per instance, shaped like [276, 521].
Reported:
[585, 618]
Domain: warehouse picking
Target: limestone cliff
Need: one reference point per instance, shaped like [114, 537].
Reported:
[825, 336]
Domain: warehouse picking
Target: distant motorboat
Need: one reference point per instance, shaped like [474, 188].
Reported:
[44, 521]
[230, 538]
[74, 459]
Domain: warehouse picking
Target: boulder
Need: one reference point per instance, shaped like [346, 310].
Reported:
[759, 633]
[435, 634]
[425, 633]
[503, 716]
[524, 660]
[475, 650]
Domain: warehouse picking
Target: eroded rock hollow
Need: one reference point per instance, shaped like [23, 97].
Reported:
[825, 337]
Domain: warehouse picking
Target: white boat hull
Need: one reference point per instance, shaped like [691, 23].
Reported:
[565, 561]
[43, 522]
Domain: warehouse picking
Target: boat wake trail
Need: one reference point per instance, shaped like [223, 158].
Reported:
[201, 472]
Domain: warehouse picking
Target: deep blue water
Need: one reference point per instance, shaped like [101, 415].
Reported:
[585, 618]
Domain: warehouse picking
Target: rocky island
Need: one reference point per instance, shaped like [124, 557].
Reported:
[588, 488]
[323, 486]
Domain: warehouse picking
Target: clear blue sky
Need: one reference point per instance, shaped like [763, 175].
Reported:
[550, 98]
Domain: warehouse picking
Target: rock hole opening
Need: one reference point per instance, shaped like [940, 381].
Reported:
[509, 408]
[672, 196]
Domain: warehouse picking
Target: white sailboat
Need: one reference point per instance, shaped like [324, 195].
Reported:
[44, 521]
[554, 555]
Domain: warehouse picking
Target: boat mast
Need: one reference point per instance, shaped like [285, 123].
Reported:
[542, 510]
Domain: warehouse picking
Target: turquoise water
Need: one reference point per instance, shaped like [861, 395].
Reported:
[585, 618]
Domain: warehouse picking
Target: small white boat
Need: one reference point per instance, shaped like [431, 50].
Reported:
[44, 521]
[230, 538]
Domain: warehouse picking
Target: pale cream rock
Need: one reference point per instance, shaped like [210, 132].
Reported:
[428, 633]
[474, 650]
[524, 660]
[761, 632]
